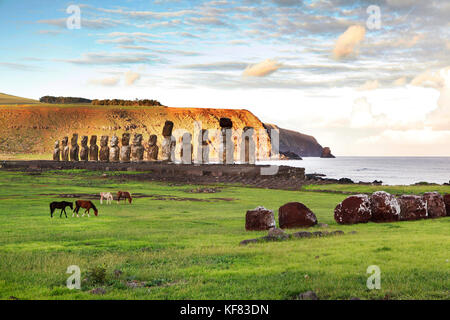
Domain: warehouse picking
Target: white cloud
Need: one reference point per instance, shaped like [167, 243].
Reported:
[262, 69]
[369, 85]
[131, 77]
[107, 82]
[347, 42]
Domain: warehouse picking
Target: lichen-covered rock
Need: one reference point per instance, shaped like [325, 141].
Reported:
[74, 148]
[296, 215]
[435, 205]
[447, 203]
[93, 149]
[137, 149]
[56, 152]
[276, 234]
[114, 151]
[384, 207]
[65, 149]
[412, 208]
[153, 149]
[84, 149]
[104, 149]
[125, 150]
[354, 209]
[259, 219]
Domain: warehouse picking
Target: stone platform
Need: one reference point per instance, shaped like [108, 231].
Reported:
[285, 178]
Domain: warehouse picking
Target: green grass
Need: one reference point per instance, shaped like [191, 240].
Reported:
[178, 249]
[6, 99]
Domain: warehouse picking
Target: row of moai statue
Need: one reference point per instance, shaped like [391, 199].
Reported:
[135, 151]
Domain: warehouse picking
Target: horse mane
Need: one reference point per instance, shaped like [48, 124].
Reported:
[93, 206]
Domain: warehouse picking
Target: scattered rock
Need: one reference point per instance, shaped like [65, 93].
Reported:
[259, 219]
[295, 215]
[337, 233]
[308, 295]
[354, 209]
[318, 234]
[302, 234]
[13, 298]
[353, 232]
[246, 242]
[435, 205]
[322, 225]
[412, 208]
[99, 291]
[345, 181]
[289, 155]
[277, 234]
[384, 207]
[447, 203]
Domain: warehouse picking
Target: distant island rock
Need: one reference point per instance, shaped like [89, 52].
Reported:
[294, 145]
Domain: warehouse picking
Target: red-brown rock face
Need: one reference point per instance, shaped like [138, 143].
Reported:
[259, 219]
[384, 207]
[412, 208]
[295, 215]
[354, 209]
[447, 203]
[435, 205]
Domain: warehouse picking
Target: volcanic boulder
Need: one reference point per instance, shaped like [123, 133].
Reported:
[447, 203]
[354, 209]
[295, 215]
[412, 208]
[384, 207]
[435, 204]
[259, 219]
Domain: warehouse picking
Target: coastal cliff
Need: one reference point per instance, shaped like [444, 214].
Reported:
[34, 129]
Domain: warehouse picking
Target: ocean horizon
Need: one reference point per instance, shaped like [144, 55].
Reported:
[390, 170]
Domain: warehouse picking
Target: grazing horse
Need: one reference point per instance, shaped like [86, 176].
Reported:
[124, 195]
[60, 205]
[107, 196]
[87, 205]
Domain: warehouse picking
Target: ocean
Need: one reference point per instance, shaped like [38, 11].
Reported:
[390, 170]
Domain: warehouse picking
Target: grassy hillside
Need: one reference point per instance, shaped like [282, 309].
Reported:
[6, 99]
[174, 244]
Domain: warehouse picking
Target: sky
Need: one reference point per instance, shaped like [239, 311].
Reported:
[366, 78]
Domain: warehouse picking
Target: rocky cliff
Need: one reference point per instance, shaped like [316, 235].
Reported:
[296, 142]
[34, 129]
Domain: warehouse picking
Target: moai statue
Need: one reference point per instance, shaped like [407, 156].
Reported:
[137, 149]
[186, 148]
[248, 150]
[65, 149]
[153, 149]
[84, 150]
[168, 145]
[74, 148]
[125, 151]
[93, 149]
[104, 149]
[56, 152]
[114, 150]
[226, 155]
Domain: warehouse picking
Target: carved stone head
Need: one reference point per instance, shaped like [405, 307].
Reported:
[84, 141]
[125, 139]
[56, 144]
[114, 141]
[152, 140]
[137, 141]
[64, 141]
[74, 139]
[104, 141]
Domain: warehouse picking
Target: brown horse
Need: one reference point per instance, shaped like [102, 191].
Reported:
[124, 195]
[87, 205]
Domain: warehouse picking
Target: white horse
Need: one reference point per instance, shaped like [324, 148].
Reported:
[107, 196]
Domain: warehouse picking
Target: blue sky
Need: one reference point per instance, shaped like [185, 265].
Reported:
[312, 66]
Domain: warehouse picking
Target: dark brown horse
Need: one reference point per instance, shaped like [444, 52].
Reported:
[87, 205]
[60, 205]
[124, 195]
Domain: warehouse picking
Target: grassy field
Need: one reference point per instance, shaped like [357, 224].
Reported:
[175, 244]
[6, 99]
